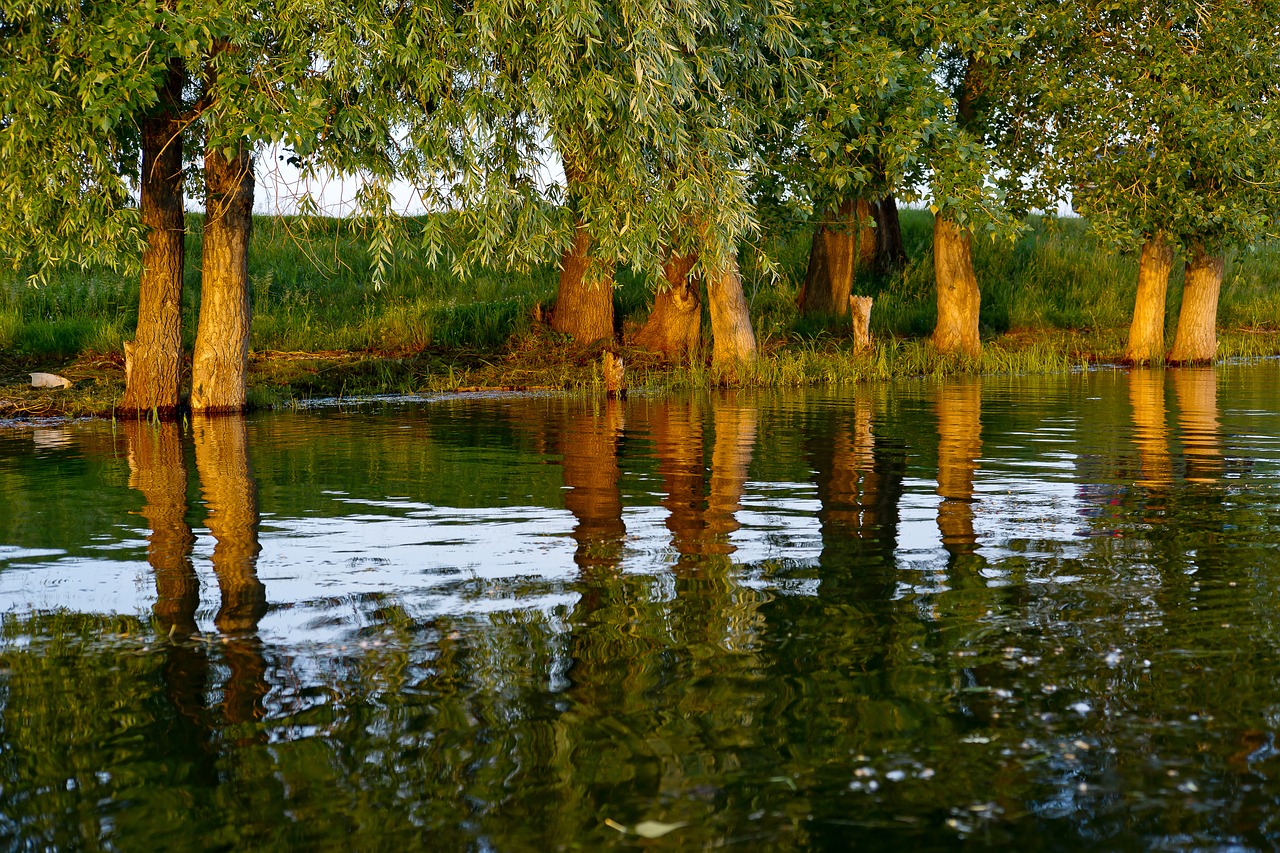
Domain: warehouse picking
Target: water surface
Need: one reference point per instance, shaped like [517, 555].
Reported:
[1003, 611]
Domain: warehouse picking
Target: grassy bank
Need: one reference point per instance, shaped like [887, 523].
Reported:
[1050, 301]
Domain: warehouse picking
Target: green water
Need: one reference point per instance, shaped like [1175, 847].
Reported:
[1015, 612]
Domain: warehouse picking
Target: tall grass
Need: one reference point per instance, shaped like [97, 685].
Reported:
[312, 290]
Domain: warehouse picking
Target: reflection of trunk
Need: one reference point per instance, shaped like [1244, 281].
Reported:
[958, 296]
[733, 340]
[833, 255]
[890, 253]
[153, 360]
[230, 495]
[590, 449]
[1197, 390]
[158, 470]
[959, 445]
[735, 439]
[1150, 430]
[674, 327]
[1146, 332]
[219, 367]
[676, 427]
[1196, 340]
[584, 305]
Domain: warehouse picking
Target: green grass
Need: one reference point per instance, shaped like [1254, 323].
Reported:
[1053, 299]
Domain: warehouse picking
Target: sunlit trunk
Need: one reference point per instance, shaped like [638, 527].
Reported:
[584, 304]
[959, 408]
[220, 365]
[231, 499]
[674, 327]
[733, 339]
[957, 285]
[1197, 392]
[1146, 332]
[153, 359]
[1196, 341]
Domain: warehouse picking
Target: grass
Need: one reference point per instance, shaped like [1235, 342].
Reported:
[1052, 300]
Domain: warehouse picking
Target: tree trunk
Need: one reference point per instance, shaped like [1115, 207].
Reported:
[1146, 332]
[890, 253]
[958, 296]
[674, 327]
[219, 369]
[153, 359]
[866, 239]
[733, 340]
[1196, 341]
[832, 257]
[584, 306]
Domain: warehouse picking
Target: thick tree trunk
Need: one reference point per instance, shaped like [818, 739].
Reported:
[890, 253]
[1146, 332]
[832, 257]
[1196, 341]
[733, 339]
[584, 305]
[220, 366]
[158, 470]
[153, 359]
[674, 327]
[958, 296]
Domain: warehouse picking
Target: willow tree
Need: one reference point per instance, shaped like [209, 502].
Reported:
[1163, 130]
[93, 102]
[852, 134]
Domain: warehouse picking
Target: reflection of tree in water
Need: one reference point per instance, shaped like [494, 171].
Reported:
[1196, 390]
[959, 410]
[231, 498]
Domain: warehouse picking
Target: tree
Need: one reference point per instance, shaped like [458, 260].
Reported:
[1164, 138]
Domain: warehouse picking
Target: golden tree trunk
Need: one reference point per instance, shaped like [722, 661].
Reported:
[674, 327]
[1196, 341]
[958, 296]
[219, 368]
[153, 359]
[733, 339]
[1146, 332]
[584, 303]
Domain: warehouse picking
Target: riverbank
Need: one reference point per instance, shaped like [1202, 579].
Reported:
[1052, 301]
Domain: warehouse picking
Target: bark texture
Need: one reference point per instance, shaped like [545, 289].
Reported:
[584, 305]
[674, 327]
[957, 285]
[219, 368]
[1146, 332]
[833, 257]
[733, 339]
[860, 310]
[890, 253]
[1196, 340]
[153, 359]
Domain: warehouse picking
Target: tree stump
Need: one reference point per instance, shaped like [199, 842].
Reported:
[614, 380]
[860, 308]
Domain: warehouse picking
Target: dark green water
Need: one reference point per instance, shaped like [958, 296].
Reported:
[1038, 611]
